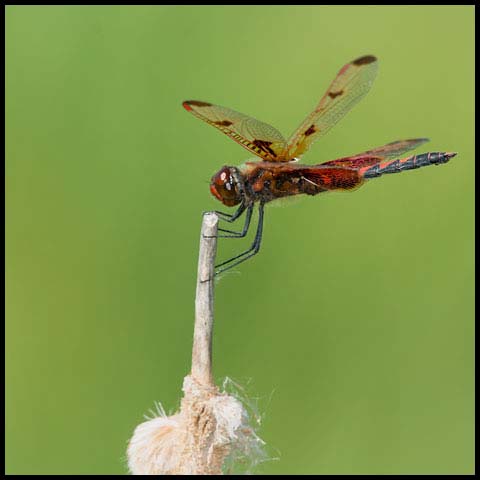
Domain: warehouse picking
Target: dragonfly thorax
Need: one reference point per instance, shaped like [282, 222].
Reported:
[227, 186]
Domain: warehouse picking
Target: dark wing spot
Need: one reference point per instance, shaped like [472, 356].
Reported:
[365, 60]
[312, 129]
[198, 103]
[264, 145]
[223, 123]
[335, 94]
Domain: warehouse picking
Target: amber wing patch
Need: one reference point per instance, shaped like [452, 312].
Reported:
[258, 137]
[351, 84]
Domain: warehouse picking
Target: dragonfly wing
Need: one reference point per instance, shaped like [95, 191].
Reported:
[379, 154]
[320, 176]
[258, 137]
[397, 148]
[352, 83]
[333, 178]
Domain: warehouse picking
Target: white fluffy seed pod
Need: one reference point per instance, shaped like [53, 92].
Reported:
[211, 431]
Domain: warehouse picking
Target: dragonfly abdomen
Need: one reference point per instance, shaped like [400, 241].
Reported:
[410, 163]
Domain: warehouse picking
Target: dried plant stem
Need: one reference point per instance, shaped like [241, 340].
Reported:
[211, 427]
[203, 330]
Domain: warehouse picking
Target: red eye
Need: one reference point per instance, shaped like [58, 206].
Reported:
[223, 187]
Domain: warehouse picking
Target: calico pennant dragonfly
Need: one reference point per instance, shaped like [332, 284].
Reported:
[278, 174]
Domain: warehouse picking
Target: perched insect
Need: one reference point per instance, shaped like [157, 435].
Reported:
[278, 175]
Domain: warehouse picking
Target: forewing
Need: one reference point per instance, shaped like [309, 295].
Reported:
[379, 154]
[258, 137]
[352, 83]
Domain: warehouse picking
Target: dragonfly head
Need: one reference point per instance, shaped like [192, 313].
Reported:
[226, 185]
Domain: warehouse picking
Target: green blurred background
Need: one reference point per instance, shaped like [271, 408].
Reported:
[354, 325]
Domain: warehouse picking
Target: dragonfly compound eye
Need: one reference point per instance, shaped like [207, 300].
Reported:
[224, 188]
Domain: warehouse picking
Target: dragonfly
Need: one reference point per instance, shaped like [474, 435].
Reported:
[277, 174]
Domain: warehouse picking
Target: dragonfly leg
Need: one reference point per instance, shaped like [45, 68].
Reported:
[253, 250]
[244, 231]
[232, 217]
